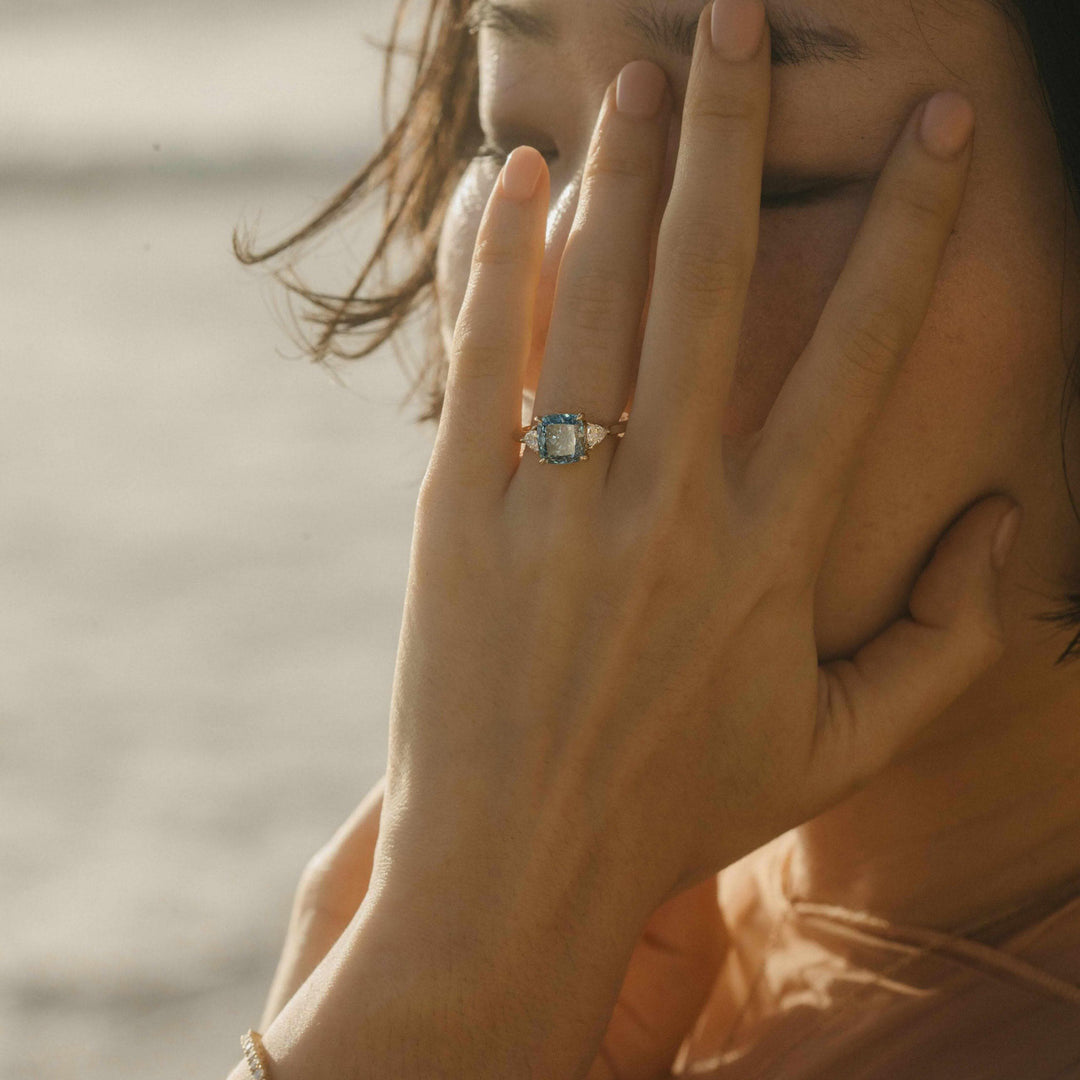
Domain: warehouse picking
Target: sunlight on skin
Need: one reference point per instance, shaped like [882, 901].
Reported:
[974, 410]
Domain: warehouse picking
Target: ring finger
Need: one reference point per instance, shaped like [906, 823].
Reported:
[604, 272]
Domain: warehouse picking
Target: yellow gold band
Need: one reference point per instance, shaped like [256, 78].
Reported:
[255, 1055]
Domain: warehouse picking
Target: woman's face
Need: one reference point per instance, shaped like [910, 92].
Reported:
[975, 408]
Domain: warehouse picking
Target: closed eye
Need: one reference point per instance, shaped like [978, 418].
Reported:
[778, 190]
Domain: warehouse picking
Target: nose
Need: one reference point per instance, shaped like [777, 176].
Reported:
[560, 220]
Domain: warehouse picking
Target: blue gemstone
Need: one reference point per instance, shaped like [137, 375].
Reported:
[562, 438]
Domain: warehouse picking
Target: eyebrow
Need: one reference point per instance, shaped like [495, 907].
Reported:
[795, 40]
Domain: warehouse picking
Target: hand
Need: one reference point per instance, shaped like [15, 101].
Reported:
[608, 686]
[618, 656]
[667, 984]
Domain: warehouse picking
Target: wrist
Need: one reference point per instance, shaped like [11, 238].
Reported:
[416, 989]
[516, 985]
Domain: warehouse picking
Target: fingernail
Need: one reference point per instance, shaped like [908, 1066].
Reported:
[640, 89]
[521, 173]
[737, 27]
[1005, 536]
[948, 120]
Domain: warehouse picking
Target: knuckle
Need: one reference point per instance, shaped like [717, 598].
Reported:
[495, 248]
[545, 563]
[616, 161]
[925, 205]
[593, 300]
[703, 273]
[643, 548]
[484, 351]
[873, 343]
[311, 888]
[430, 495]
[449, 543]
[664, 523]
[728, 112]
[438, 521]
[634, 522]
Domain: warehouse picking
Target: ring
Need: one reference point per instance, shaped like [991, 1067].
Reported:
[563, 438]
[255, 1055]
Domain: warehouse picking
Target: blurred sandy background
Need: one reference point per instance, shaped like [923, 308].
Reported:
[204, 540]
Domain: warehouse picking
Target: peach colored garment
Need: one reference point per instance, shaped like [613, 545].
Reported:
[816, 992]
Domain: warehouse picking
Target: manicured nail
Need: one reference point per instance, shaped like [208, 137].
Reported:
[640, 89]
[948, 120]
[737, 27]
[521, 173]
[1005, 536]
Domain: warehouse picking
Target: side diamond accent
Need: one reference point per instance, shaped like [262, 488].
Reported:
[595, 435]
[532, 440]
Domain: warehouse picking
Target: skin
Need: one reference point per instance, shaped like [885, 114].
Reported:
[712, 554]
[668, 980]
[522, 847]
[982, 815]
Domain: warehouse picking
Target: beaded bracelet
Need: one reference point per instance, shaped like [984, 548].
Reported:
[255, 1054]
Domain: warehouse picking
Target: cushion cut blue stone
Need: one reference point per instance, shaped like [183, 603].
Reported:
[562, 438]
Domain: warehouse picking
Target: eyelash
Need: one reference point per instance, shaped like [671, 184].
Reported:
[769, 200]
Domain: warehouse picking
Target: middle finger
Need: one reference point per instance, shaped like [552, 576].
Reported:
[707, 244]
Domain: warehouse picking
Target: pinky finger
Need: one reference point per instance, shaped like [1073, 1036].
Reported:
[481, 419]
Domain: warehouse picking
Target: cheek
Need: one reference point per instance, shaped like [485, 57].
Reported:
[456, 242]
[929, 454]
[972, 410]
[953, 429]
[801, 252]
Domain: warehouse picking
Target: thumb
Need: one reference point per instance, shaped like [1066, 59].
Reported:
[870, 705]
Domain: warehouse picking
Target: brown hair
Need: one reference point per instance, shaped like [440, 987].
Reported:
[417, 168]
